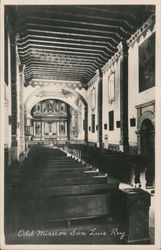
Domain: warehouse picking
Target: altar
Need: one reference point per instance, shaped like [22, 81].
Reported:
[51, 120]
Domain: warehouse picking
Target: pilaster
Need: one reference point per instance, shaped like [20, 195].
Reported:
[68, 122]
[124, 141]
[13, 101]
[86, 123]
[100, 94]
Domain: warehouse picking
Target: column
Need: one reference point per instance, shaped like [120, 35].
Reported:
[86, 123]
[34, 128]
[76, 124]
[99, 122]
[139, 114]
[124, 142]
[22, 140]
[42, 130]
[57, 130]
[68, 122]
[65, 126]
[13, 101]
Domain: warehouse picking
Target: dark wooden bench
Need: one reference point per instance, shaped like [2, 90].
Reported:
[67, 208]
[24, 191]
[64, 181]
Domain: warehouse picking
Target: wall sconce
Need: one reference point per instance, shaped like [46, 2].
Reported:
[118, 124]
[89, 128]
[105, 126]
[96, 127]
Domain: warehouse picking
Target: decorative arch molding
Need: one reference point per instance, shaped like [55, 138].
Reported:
[58, 88]
[146, 115]
[145, 111]
[35, 101]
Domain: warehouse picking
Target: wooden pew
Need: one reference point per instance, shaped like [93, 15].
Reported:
[62, 181]
[66, 208]
[26, 192]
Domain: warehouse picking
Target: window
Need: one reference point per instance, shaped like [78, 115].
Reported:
[111, 87]
[93, 123]
[111, 120]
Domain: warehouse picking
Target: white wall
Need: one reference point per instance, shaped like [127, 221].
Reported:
[113, 136]
[92, 137]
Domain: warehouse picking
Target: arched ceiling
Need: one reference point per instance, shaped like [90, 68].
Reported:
[70, 43]
[56, 91]
[67, 95]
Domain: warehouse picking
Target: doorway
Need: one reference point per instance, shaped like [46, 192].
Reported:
[147, 133]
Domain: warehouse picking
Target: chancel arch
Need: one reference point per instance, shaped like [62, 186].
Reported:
[55, 91]
[53, 119]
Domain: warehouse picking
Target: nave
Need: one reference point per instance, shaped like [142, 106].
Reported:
[57, 199]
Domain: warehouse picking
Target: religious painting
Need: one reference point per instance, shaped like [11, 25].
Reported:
[50, 106]
[38, 128]
[147, 64]
[61, 128]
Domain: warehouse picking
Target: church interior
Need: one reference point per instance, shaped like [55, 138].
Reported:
[79, 124]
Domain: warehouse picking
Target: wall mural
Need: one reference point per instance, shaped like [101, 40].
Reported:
[147, 64]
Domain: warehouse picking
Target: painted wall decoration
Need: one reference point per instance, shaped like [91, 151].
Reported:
[147, 64]
[111, 87]
[93, 95]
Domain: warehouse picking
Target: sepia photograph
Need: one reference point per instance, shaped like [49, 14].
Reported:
[78, 110]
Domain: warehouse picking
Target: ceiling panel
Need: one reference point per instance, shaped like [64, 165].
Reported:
[70, 42]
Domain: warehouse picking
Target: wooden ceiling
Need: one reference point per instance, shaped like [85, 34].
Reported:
[60, 42]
